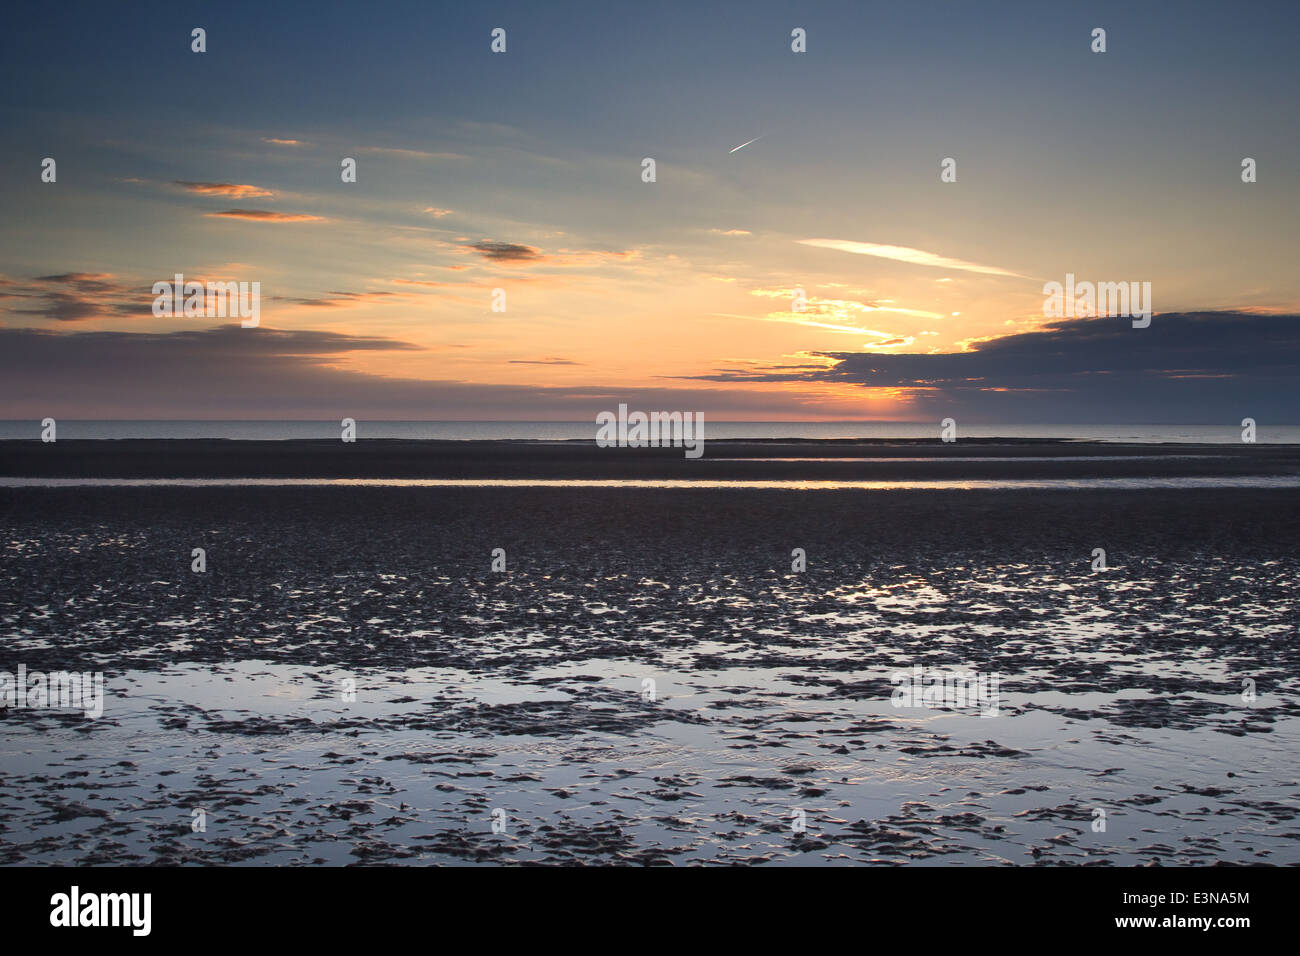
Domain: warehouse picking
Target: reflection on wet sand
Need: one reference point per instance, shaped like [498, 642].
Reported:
[524, 690]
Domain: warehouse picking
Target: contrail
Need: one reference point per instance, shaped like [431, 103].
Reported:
[743, 145]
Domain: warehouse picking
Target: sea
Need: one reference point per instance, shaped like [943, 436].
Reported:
[1226, 432]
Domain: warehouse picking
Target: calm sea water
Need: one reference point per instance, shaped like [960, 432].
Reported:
[771, 484]
[1227, 432]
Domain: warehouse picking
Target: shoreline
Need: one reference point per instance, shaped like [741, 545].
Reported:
[745, 460]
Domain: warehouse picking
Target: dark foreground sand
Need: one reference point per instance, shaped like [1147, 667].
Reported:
[524, 691]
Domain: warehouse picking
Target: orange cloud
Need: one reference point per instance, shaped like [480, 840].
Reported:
[264, 215]
[430, 285]
[566, 257]
[232, 190]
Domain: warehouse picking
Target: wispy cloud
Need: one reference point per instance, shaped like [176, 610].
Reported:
[514, 253]
[341, 299]
[229, 190]
[265, 215]
[794, 318]
[410, 153]
[843, 308]
[580, 257]
[284, 142]
[428, 284]
[917, 257]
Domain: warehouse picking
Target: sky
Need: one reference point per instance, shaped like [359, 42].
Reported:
[522, 171]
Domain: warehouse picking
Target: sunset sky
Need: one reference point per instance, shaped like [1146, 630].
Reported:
[522, 171]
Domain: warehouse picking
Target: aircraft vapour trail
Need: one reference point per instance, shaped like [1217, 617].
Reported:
[743, 145]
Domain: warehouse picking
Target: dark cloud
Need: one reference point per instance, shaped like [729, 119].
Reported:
[74, 296]
[506, 251]
[86, 280]
[65, 350]
[1186, 367]
[236, 373]
[1068, 353]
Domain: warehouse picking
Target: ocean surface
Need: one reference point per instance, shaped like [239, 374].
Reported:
[1226, 432]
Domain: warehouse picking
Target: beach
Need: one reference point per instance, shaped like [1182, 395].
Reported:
[650, 680]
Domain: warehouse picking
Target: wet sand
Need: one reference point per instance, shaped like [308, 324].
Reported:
[524, 690]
